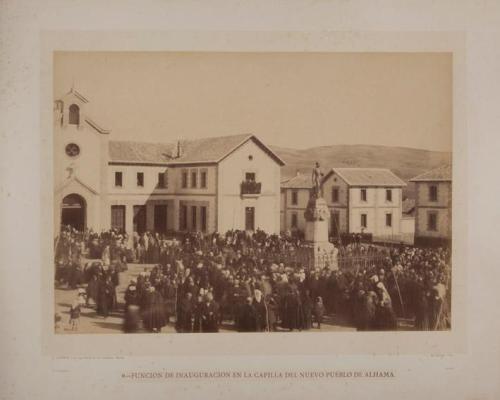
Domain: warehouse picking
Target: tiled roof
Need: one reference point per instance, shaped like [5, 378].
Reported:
[368, 177]
[204, 150]
[442, 173]
[140, 152]
[300, 181]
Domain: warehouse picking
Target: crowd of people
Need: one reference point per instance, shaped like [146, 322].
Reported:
[253, 282]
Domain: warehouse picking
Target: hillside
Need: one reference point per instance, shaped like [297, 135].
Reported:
[404, 162]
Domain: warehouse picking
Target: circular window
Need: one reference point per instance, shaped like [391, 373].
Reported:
[72, 150]
[250, 157]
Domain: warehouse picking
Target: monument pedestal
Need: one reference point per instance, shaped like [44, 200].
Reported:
[322, 253]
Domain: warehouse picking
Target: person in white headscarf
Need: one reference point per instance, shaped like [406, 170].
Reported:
[106, 256]
[385, 319]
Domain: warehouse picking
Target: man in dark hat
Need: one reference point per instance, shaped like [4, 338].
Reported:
[131, 297]
[185, 314]
[209, 315]
[260, 307]
[247, 321]
[105, 296]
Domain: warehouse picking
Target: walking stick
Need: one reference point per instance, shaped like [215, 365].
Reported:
[267, 317]
[175, 306]
[438, 316]
[399, 292]
[351, 286]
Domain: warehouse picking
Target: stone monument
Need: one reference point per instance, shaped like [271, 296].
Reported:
[322, 253]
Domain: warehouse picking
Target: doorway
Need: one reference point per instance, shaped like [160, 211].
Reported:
[140, 219]
[250, 218]
[118, 218]
[160, 217]
[73, 211]
[334, 224]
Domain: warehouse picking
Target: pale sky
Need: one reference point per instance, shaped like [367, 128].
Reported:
[296, 100]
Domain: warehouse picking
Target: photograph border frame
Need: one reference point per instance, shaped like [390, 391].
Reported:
[325, 343]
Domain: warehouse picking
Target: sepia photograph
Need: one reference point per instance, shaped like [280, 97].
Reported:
[270, 199]
[204, 192]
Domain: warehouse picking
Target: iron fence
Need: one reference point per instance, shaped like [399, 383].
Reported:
[346, 259]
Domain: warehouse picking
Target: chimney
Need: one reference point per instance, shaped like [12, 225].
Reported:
[179, 149]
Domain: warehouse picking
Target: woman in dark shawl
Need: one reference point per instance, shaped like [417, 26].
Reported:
[247, 321]
[292, 318]
[307, 310]
[105, 297]
[154, 313]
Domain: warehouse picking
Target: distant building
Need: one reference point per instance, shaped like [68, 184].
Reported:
[211, 184]
[294, 197]
[409, 207]
[433, 211]
[408, 221]
[367, 200]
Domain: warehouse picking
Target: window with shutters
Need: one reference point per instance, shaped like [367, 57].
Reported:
[184, 179]
[432, 221]
[203, 179]
[335, 195]
[140, 179]
[363, 194]
[194, 178]
[118, 179]
[388, 220]
[161, 180]
[433, 193]
[364, 221]
[250, 176]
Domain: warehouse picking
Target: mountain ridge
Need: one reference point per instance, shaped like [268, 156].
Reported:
[405, 162]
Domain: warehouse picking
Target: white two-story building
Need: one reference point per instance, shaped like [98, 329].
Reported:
[361, 200]
[365, 200]
[433, 210]
[210, 184]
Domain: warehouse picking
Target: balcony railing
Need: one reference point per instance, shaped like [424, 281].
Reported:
[250, 187]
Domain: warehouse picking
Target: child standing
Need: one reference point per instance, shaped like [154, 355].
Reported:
[74, 315]
[319, 310]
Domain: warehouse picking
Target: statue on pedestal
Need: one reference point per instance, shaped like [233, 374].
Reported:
[317, 209]
[317, 215]
[317, 176]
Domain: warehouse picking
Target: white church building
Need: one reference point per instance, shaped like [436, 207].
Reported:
[207, 185]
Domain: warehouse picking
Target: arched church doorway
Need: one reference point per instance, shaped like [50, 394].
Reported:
[73, 211]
